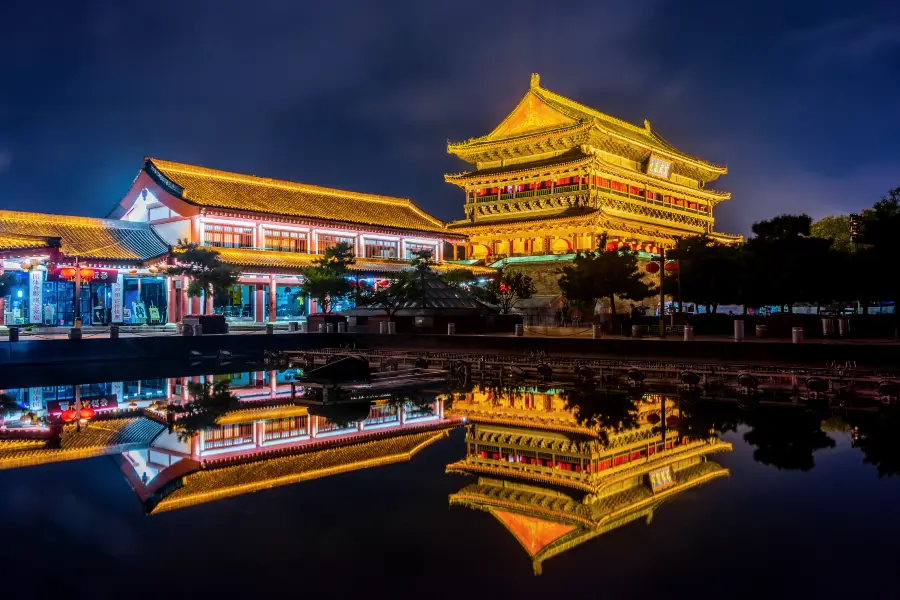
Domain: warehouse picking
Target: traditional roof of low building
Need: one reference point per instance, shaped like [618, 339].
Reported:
[82, 237]
[214, 484]
[297, 261]
[214, 189]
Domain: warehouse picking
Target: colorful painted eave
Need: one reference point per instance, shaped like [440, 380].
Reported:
[224, 190]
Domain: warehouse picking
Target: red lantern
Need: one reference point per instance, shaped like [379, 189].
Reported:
[87, 413]
[671, 267]
[87, 273]
[652, 267]
[67, 272]
[504, 288]
[69, 415]
[132, 272]
[612, 246]
[673, 421]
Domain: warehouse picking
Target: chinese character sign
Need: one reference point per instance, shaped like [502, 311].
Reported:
[658, 167]
[117, 300]
[35, 287]
[661, 479]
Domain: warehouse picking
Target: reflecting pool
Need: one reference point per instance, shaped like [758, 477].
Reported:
[473, 490]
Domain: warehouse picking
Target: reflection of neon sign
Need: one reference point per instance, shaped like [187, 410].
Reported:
[658, 167]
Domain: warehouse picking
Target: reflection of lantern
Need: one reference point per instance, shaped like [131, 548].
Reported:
[132, 404]
[672, 267]
[673, 421]
[69, 415]
[653, 418]
[87, 273]
[67, 272]
[87, 413]
[652, 267]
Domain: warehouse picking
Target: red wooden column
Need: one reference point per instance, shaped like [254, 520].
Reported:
[259, 306]
[272, 297]
[171, 310]
[2, 311]
[273, 384]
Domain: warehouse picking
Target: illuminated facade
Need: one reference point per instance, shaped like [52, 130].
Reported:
[272, 230]
[555, 175]
[268, 442]
[555, 483]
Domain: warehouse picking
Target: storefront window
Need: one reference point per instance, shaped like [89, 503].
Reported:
[17, 304]
[290, 304]
[381, 249]
[238, 305]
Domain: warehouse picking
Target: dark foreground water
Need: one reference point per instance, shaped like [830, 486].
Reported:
[817, 521]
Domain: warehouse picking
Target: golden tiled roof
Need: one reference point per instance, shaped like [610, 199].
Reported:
[297, 261]
[214, 484]
[22, 242]
[85, 237]
[583, 116]
[221, 189]
[103, 436]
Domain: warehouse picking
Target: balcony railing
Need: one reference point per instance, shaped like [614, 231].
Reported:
[571, 188]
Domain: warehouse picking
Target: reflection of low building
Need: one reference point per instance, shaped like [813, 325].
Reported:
[555, 483]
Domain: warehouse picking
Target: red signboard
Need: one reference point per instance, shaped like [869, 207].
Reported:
[56, 407]
[100, 276]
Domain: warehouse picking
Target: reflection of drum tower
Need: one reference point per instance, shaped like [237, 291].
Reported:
[555, 484]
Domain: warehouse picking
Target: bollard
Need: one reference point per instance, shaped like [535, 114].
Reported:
[844, 327]
[738, 330]
[637, 331]
[304, 327]
[689, 333]
[14, 334]
[827, 327]
[520, 330]
[391, 327]
[321, 328]
[187, 330]
[796, 334]
[198, 329]
[597, 332]
[342, 327]
[75, 333]
[293, 326]
[451, 328]
[329, 328]
[270, 328]
[760, 331]
[382, 327]
[113, 332]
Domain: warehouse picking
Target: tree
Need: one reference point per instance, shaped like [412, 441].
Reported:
[209, 402]
[506, 290]
[460, 279]
[8, 406]
[421, 262]
[603, 274]
[400, 293]
[326, 280]
[208, 274]
[785, 264]
[710, 272]
[835, 229]
[7, 280]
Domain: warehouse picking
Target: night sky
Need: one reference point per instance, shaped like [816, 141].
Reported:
[800, 99]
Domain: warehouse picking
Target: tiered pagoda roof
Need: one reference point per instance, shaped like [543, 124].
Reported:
[214, 189]
[81, 237]
[546, 122]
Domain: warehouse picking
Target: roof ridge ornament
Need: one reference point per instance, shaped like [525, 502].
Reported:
[647, 124]
[535, 81]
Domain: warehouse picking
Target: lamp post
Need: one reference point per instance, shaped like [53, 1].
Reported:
[662, 293]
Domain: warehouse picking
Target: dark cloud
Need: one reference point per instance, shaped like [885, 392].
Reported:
[798, 99]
